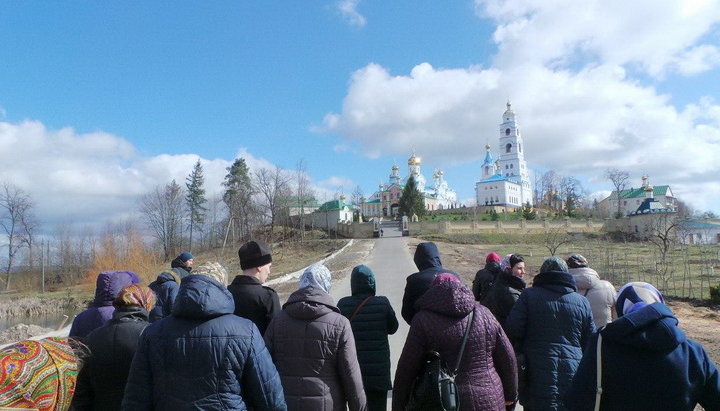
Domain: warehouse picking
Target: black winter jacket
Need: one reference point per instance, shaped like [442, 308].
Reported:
[102, 379]
[254, 301]
[202, 357]
[165, 288]
[371, 326]
[484, 279]
[427, 260]
[502, 295]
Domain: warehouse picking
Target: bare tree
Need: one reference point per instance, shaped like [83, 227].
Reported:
[548, 186]
[162, 210]
[304, 193]
[273, 187]
[619, 179]
[661, 230]
[572, 190]
[17, 222]
[555, 237]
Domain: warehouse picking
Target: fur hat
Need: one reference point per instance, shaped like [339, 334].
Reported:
[635, 295]
[318, 276]
[254, 254]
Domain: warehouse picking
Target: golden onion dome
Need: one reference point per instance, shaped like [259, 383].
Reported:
[414, 160]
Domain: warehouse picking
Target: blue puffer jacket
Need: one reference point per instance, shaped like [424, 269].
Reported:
[647, 364]
[166, 288]
[203, 357]
[551, 325]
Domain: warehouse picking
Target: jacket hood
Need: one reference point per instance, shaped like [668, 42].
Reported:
[558, 281]
[109, 284]
[202, 297]
[165, 277]
[452, 299]
[427, 256]
[651, 328]
[585, 277]
[309, 303]
[362, 281]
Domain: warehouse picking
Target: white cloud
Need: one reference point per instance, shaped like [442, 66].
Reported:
[337, 182]
[348, 11]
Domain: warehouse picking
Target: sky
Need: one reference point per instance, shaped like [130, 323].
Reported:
[100, 102]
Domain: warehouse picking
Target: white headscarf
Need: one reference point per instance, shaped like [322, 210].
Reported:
[318, 276]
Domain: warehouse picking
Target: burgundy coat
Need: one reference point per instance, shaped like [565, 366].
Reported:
[488, 372]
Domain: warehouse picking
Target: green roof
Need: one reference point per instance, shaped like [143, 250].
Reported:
[299, 201]
[373, 201]
[640, 192]
[334, 205]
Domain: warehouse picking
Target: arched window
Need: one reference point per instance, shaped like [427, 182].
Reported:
[511, 166]
[520, 148]
[507, 131]
[508, 147]
[487, 170]
[506, 166]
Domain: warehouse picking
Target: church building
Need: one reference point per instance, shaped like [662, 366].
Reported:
[505, 177]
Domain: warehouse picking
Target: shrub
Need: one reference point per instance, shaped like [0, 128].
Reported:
[715, 294]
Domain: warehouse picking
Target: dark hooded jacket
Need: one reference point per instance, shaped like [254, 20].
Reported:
[551, 324]
[202, 357]
[313, 348]
[371, 326]
[165, 288]
[487, 376]
[484, 279]
[502, 295]
[254, 301]
[427, 260]
[101, 382]
[179, 267]
[107, 287]
[647, 364]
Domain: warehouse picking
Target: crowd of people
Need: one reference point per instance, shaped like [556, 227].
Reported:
[193, 340]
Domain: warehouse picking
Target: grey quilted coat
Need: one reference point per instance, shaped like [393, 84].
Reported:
[313, 349]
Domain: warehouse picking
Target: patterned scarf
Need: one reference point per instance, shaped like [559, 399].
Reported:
[38, 374]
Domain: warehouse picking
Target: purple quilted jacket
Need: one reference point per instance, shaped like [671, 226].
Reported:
[487, 376]
[108, 285]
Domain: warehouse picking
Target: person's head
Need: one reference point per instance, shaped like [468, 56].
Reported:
[255, 260]
[555, 264]
[362, 280]
[135, 295]
[318, 276]
[635, 295]
[213, 270]
[109, 284]
[577, 261]
[492, 258]
[186, 258]
[444, 278]
[514, 264]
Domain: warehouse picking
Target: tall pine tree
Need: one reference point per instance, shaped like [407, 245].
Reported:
[195, 198]
[237, 196]
[412, 200]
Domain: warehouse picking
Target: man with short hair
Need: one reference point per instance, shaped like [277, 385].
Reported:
[253, 300]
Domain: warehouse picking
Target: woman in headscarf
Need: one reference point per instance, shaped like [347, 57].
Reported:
[647, 361]
[487, 376]
[313, 348]
[102, 380]
[372, 319]
[38, 375]
[549, 325]
[506, 288]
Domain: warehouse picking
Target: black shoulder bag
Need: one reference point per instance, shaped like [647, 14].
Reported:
[435, 389]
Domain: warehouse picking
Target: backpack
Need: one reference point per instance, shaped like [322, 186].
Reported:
[435, 388]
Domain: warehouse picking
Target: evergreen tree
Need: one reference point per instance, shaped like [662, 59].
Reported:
[195, 198]
[412, 200]
[527, 212]
[237, 195]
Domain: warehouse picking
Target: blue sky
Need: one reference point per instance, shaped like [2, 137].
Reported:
[110, 99]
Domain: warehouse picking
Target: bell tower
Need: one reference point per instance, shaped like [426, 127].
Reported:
[512, 163]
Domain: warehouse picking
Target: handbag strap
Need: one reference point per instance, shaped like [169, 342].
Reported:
[598, 389]
[465, 337]
[359, 307]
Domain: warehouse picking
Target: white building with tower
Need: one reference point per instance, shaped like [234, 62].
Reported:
[505, 177]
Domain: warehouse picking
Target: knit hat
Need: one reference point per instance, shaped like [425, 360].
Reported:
[318, 276]
[492, 257]
[444, 278]
[577, 261]
[254, 254]
[213, 270]
[635, 295]
[135, 294]
[185, 256]
[509, 262]
[554, 264]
